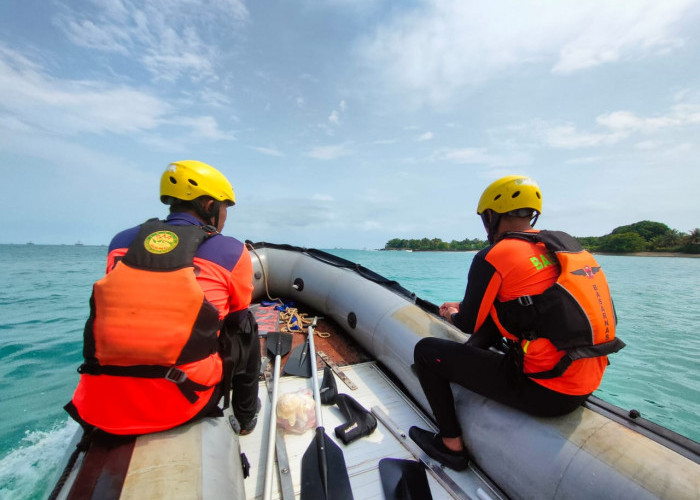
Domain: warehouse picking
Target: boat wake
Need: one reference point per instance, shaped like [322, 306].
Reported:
[28, 470]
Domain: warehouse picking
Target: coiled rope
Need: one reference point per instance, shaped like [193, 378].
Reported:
[291, 320]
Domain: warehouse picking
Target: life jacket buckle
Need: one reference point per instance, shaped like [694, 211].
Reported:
[525, 300]
[89, 369]
[529, 335]
[176, 375]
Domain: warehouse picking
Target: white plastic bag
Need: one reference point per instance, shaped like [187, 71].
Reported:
[296, 411]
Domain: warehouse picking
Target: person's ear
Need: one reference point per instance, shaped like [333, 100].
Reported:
[207, 206]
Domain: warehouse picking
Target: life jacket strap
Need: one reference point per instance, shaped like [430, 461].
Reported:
[172, 374]
[572, 355]
[556, 371]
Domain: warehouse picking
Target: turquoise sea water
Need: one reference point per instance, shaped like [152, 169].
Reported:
[44, 305]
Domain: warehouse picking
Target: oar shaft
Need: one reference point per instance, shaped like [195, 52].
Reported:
[317, 393]
[320, 433]
[272, 432]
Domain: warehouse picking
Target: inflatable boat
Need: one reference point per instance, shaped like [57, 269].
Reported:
[598, 451]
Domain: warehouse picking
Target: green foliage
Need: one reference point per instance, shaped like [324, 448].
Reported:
[644, 236]
[590, 243]
[691, 243]
[623, 243]
[646, 229]
[435, 244]
[638, 237]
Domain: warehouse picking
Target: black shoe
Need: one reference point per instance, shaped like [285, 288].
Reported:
[433, 446]
[246, 426]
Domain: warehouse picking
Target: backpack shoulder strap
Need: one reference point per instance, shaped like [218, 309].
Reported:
[556, 241]
[162, 246]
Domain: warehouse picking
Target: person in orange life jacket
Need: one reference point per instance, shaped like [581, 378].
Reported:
[162, 348]
[508, 269]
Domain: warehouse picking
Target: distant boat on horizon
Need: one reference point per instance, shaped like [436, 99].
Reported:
[79, 244]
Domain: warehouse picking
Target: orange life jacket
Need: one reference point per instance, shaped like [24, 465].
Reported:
[150, 320]
[576, 314]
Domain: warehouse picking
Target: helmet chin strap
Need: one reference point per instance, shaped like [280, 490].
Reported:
[216, 220]
[491, 224]
[207, 216]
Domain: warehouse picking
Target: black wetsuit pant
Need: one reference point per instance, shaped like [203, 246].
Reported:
[241, 332]
[246, 375]
[491, 374]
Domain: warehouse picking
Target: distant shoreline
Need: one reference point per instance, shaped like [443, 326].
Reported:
[626, 254]
[652, 254]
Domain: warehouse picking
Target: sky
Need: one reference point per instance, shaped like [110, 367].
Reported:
[346, 123]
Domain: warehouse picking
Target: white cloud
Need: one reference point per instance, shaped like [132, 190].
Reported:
[322, 197]
[214, 98]
[334, 117]
[611, 31]
[87, 34]
[620, 125]
[481, 157]
[445, 45]
[369, 225]
[267, 151]
[567, 136]
[164, 36]
[206, 127]
[585, 160]
[68, 107]
[180, 54]
[329, 152]
[627, 121]
[425, 137]
[647, 145]
[41, 103]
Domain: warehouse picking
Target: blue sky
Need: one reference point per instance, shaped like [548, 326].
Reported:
[345, 123]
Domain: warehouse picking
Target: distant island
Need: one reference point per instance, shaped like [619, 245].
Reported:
[643, 236]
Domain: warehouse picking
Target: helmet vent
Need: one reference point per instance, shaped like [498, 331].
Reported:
[497, 197]
[193, 182]
[538, 195]
[515, 195]
[173, 180]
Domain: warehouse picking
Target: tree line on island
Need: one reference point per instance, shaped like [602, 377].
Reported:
[643, 236]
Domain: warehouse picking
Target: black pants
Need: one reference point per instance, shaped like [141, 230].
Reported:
[440, 361]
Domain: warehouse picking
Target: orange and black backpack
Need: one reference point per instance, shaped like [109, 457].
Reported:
[576, 314]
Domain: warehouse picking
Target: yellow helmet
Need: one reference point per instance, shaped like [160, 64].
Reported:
[190, 179]
[510, 193]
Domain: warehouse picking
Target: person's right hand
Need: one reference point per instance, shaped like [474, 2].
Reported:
[448, 309]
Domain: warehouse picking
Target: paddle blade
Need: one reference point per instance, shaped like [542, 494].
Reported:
[278, 343]
[299, 362]
[404, 480]
[324, 475]
[329, 390]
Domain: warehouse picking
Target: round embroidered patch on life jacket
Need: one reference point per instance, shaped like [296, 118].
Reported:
[161, 242]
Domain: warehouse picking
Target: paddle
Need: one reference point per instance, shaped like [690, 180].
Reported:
[323, 463]
[299, 362]
[404, 480]
[278, 344]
